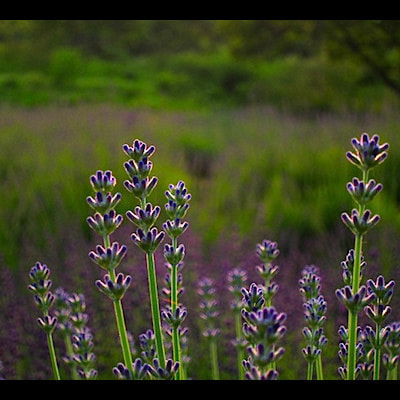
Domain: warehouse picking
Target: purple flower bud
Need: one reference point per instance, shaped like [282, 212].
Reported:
[172, 255]
[174, 318]
[360, 225]
[253, 299]
[368, 152]
[39, 272]
[363, 193]
[114, 290]
[382, 291]
[108, 258]
[141, 188]
[103, 202]
[267, 251]
[175, 227]
[354, 302]
[138, 150]
[103, 181]
[179, 195]
[167, 373]
[149, 241]
[47, 323]
[105, 224]
[146, 218]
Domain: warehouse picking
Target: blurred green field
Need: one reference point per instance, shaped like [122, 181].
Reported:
[193, 81]
[251, 170]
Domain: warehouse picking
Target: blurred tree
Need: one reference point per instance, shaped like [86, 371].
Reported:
[116, 38]
[373, 43]
[271, 38]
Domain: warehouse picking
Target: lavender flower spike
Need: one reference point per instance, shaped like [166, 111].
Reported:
[44, 299]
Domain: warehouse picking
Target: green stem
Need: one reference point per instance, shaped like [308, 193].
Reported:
[352, 326]
[176, 346]
[393, 373]
[310, 366]
[53, 358]
[120, 320]
[155, 308]
[214, 359]
[240, 355]
[70, 352]
[318, 368]
[351, 358]
[377, 355]
[352, 319]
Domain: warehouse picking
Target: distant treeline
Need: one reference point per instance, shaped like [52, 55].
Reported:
[373, 44]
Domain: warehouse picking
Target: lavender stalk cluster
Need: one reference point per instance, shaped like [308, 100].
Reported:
[237, 278]
[104, 222]
[263, 328]
[70, 309]
[368, 153]
[267, 252]
[138, 168]
[209, 314]
[147, 237]
[40, 286]
[315, 308]
[377, 312]
[176, 208]
[391, 353]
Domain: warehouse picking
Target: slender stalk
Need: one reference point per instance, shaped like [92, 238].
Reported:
[154, 301]
[70, 352]
[318, 368]
[120, 320]
[377, 355]
[393, 374]
[351, 358]
[155, 308]
[310, 368]
[214, 359]
[176, 348]
[352, 319]
[53, 358]
[240, 355]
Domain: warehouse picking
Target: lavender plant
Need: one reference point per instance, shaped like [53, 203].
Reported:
[82, 358]
[268, 251]
[104, 222]
[146, 237]
[237, 279]
[209, 313]
[262, 328]
[176, 208]
[315, 308]
[63, 314]
[40, 286]
[368, 154]
[391, 353]
[377, 312]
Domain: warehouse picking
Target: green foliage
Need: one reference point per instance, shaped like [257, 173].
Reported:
[65, 66]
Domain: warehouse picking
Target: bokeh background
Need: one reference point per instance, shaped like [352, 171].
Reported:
[254, 115]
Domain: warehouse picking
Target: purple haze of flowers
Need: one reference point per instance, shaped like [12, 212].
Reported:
[391, 355]
[315, 308]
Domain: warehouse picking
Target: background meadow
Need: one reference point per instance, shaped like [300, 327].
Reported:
[257, 133]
